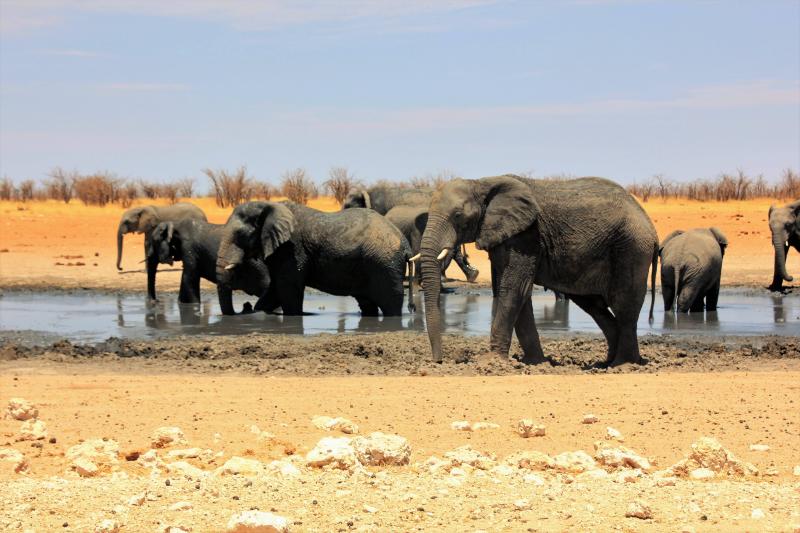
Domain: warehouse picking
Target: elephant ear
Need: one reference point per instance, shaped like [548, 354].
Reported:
[147, 219]
[509, 208]
[669, 238]
[420, 221]
[277, 227]
[721, 239]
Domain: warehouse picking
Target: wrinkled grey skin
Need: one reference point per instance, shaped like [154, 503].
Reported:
[145, 218]
[586, 238]
[196, 244]
[691, 267]
[784, 224]
[385, 199]
[355, 252]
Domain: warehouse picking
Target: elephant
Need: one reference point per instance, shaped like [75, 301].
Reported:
[784, 224]
[145, 218]
[385, 199]
[587, 238]
[196, 244]
[691, 267]
[354, 252]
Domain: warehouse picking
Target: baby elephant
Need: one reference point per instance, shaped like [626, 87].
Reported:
[691, 266]
[196, 244]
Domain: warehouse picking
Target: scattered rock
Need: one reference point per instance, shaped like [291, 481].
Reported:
[701, 473]
[465, 455]
[167, 436]
[370, 509]
[757, 514]
[107, 526]
[709, 453]
[796, 470]
[333, 452]
[590, 419]
[185, 469]
[613, 434]
[32, 429]
[759, 448]
[181, 506]
[528, 428]
[93, 457]
[381, 449]
[257, 522]
[285, 468]
[639, 509]
[239, 466]
[13, 460]
[463, 425]
[335, 424]
[574, 462]
[533, 479]
[137, 499]
[522, 504]
[619, 457]
[189, 453]
[21, 409]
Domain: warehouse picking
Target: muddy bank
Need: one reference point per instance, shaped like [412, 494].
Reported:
[403, 353]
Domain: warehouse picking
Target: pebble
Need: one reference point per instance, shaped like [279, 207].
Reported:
[167, 436]
[107, 526]
[257, 522]
[613, 434]
[522, 504]
[757, 514]
[335, 424]
[796, 470]
[701, 473]
[590, 419]
[759, 448]
[181, 506]
[639, 509]
[21, 409]
[528, 428]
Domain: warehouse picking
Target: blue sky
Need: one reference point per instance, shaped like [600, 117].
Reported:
[397, 88]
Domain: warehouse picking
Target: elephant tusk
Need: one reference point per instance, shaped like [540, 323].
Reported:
[415, 258]
[230, 267]
[443, 254]
[140, 262]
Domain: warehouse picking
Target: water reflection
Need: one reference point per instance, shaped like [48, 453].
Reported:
[690, 321]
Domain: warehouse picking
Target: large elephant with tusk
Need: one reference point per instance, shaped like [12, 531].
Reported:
[587, 238]
[145, 218]
[784, 224]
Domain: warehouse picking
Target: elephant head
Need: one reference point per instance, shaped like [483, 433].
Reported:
[486, 211]
[137, 220]
[669, 238]
[784, 224]
[357, 198]
[254, 229]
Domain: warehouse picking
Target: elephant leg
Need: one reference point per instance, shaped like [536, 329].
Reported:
[528, 336]
[698, 305]
[225, 297]
[190, 287]
[712, 297]
[269, 301]
[152, 268]
[514, 275]
[687, 297]
[596, 307]
[463, 263]
[368, 307]
[290, 296]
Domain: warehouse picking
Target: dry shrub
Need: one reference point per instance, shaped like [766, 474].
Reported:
[60, 185]
[168, 191]
[100, 188]
[128, 192]
[726, 187]
[6, 189]
[298, 187]
[789, 186]
[340, 183]
[432, 181]
[230, 188]
[185, 187]
[26, 190]
[263, 190]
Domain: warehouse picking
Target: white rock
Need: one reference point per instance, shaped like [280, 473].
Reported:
[757, 514]
[186, 469]
[709, 453]
[465, 455]
[461, 425]
[528, 428]
[530, 460]
[21, 409]
[335, 424]
[522, 504]
[107, 526]
[217, 438]
[593, 474]
[181, 506]
[13, 460]
[759, 448]
[381, 449]
[167, 436]
[619, 457]
[574, 462]
[32, 430]
[137, 499]
[189, 453]
[628, 476]
[93, 457]
[150, 459]
[285, 468]
[533, 479]
[370, 509]
[590, 419]
[478, 426]
[333, 452]
[701, 473]
[639, 509]
[613, 434]
[257, 522]
[796, 470]
[239, 466]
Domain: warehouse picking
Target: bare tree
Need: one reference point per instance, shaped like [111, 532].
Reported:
[340, 183]
[298, 186]
[26, 190]
[60, 185]
[185, 187]
[230, 188]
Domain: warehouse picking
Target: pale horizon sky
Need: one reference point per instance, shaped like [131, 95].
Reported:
[398, 88]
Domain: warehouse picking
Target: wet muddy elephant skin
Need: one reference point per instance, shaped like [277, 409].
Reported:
[196, 244]
[691, 268]
[354, 252]
[145, 218]
[404, 207]
[784, 225]
[587, 238]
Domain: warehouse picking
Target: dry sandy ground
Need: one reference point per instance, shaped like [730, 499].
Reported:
[50, 244]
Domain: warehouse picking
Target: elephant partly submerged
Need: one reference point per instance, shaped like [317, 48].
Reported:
[784, 225]
[196, 244]
[587, 238]
[145, 218]
[354, 252]
[691, 268]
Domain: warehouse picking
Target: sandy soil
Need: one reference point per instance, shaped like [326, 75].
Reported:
[50, 244]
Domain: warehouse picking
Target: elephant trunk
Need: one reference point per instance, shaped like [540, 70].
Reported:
[152, 267]
[778, 242]
[229, 257]
[439, 234]
[120, 233]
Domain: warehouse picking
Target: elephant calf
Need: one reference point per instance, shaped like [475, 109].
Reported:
[784, 224]
[196, 244]
[691, 266]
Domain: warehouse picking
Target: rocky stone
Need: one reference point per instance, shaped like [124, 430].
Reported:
[478, 426]
[167, 436]
[639, 509]
[709, 453]
[465, 455]
[574, 462]
[530, 460]
[137, 499]
[32, 429]
[333, 452]
[107, 526]
[21, 409]
[796, 470]
[759, 448]
[590, 419]
[188, 453]
[185, 469]
[461, 425]
[239, 466]
[335, 424]
[533, 479]
[380, 449]
[285, 468]
[757, 514]
[181, 506]
[12, 460]
[701, 473]
[522, 504]
[257, 522]
[93, 457]
[150, 459]
[619, 457]
[629, 475]
[528, 428]
[613, 434]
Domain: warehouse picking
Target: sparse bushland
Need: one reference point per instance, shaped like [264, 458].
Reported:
[340, 182]
[297, 186]
[230, 188]
[724, 188]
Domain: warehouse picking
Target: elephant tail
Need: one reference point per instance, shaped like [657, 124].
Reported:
[653, 267]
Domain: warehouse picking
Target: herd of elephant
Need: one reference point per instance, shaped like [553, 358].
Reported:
[586, 239]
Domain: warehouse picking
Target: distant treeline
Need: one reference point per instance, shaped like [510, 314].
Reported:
[232, 187]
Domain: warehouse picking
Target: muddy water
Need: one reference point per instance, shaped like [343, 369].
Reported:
[89, 316]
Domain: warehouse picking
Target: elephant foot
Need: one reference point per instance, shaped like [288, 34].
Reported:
[619, 361]
[247, 309]
[535, 360]
[776, 288]
[472, 274]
